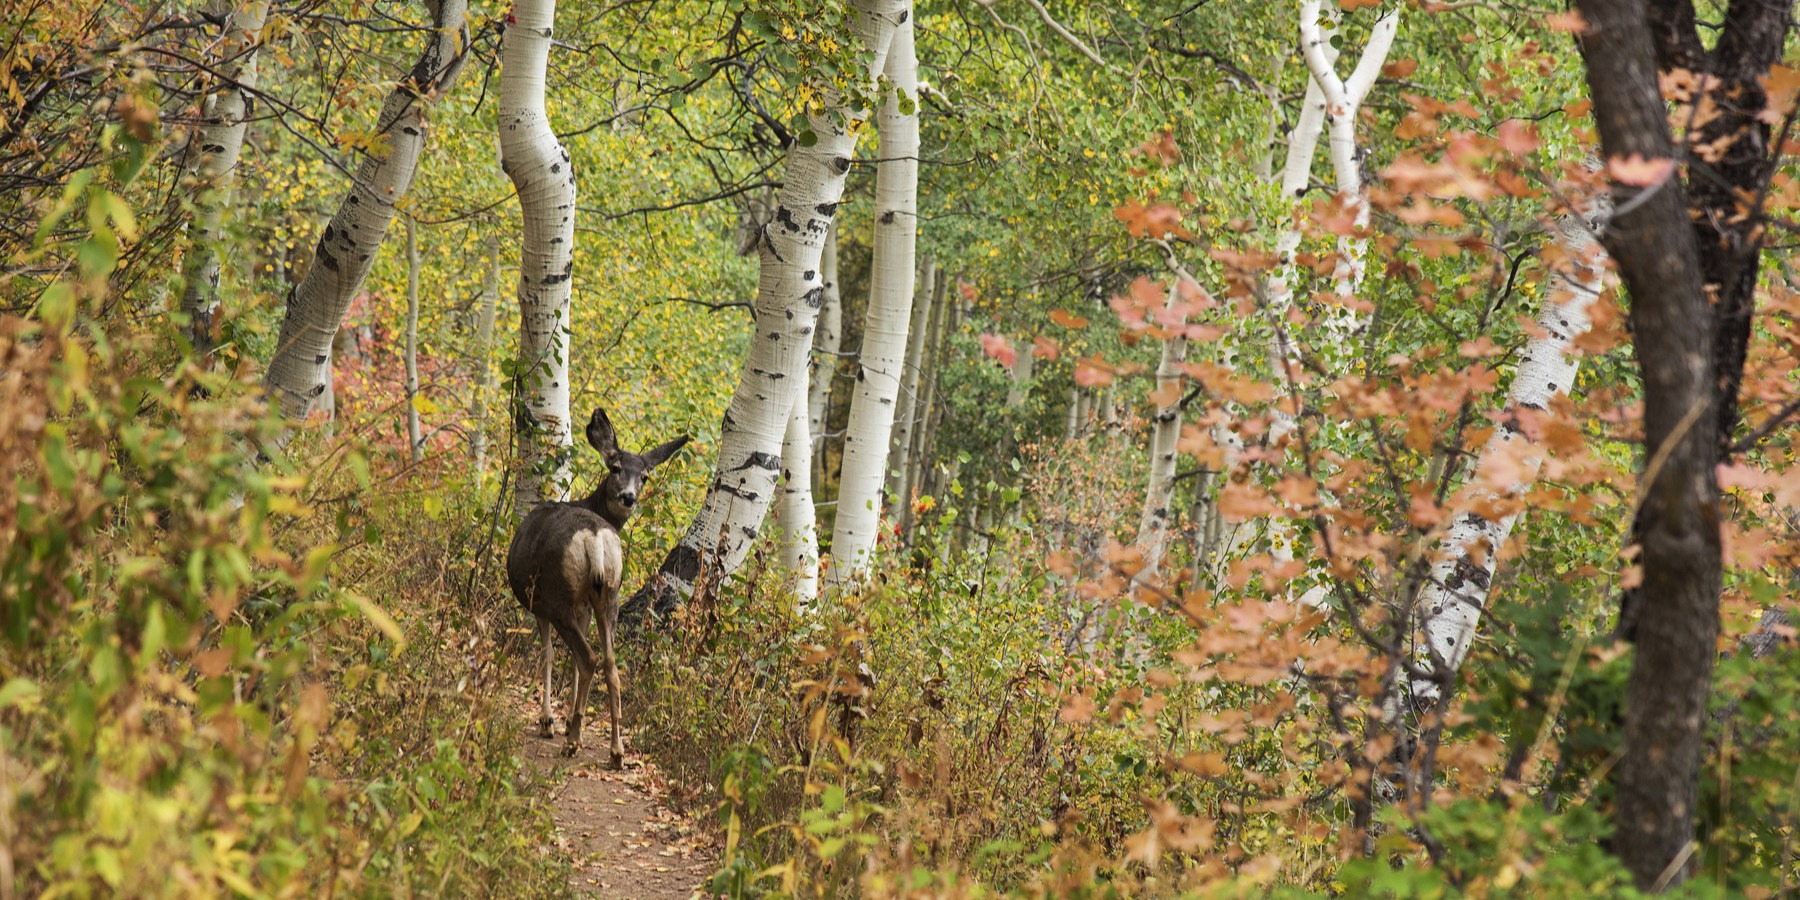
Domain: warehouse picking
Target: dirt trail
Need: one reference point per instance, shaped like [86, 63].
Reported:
[621, 840]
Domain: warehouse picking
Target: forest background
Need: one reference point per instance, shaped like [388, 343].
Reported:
[1140, 449]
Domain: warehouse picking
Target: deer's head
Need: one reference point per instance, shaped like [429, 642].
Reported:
[617, 497]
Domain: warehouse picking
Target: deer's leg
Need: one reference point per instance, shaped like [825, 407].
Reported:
[546, 719]
[584, 680]
[609, 624]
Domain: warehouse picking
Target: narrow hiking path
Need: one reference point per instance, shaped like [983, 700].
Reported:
[621, 839]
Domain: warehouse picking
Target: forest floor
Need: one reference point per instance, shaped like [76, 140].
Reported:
[616, 827]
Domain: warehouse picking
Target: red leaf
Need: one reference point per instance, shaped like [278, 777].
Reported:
[1518, 138]
[1637, 171]
[998, 347]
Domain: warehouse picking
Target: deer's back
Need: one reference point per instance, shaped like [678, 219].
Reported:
[560, 555]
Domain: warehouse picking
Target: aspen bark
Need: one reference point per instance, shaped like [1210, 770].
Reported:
[882, 360]
[484, 344]
[539, 168]
[827, 341]
[789, 296]
[217, 145]
[1455, 593]
[906, 414]
[1343, 98]
[415, 442]
[1165, 432]
[795, 513]
[298, 373]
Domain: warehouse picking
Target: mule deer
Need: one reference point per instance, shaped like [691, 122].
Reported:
[565, 563]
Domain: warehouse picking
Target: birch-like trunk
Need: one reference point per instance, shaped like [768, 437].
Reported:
[301, 367]
[1455, 593]
[918, 453]
[882, 358]
[540, 171]
[789, 295]
[795, 513]
[484, 349]
[1165, 432]
[217, 144]
[906, 412]
[414, 439]
[826, 343]
[1343, 98]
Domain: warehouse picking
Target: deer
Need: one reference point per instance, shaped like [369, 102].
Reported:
[565, 563]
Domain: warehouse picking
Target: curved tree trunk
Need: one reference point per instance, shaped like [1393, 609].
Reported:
[539, 168]
[217, 145]
[301, 366]
[882, 359]
[1343, 98]
[1455, 593]
[789, 295]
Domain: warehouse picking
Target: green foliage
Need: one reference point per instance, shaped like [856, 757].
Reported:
[191, 703]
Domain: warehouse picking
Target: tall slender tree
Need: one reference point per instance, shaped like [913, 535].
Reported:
[1455, 591]
[789, 295]
[881, 363]
[216, 146]
[301, 366]
[541, 172]
[1688, 250]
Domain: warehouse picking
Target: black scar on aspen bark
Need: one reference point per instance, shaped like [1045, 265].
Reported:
[683, 563]
[327, 260]
[318, 389]
[904, 15]
[826, 209]
[555, 168]
[808, 275]
[767, 461]
[786, 218]
[814, 298]
[841, 164]
[887, 218]
[410, 131]
[213, 148]
[790, 314]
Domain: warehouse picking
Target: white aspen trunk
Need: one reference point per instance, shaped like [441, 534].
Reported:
[1019, 378]
[883, 355]
[1165, 432]
[826, 343]
[414, 439]
[217, 145]
[539, 168]
[1454, 595]
[795, 513]
[918, 452]
[789, 295]
[484, 349]
[1073, 417]
[1343, 97]
[299, 371]
[906, 415]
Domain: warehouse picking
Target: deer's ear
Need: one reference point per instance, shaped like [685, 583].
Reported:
[600, 435]
[656, 456]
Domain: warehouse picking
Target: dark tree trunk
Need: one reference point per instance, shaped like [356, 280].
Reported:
[1689, 251]
[1677, 607]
